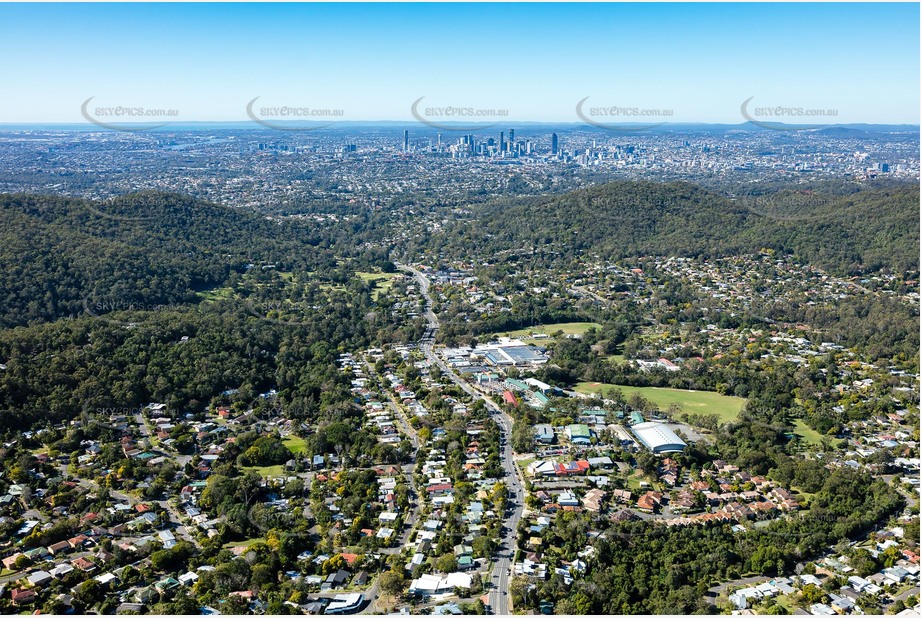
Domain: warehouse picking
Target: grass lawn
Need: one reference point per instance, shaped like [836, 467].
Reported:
[216, 294]
[803, 497]
[786, 602]
[381, 282]
[246, 543]
[268, 471]
[693, 402]
[616, 358]
[295, 445]
[524, 463]
[809, 435]
[634, 480]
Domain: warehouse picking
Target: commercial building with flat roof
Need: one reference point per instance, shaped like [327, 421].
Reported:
[658, 438]
[541, 386]
[508, 352]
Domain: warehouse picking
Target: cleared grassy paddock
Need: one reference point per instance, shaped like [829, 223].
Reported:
[267, 472]
[568, 328]
[246, 543]
[809, 435]
[295, 445]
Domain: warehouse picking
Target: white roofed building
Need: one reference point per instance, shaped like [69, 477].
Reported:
[658, 437]
[428, 585]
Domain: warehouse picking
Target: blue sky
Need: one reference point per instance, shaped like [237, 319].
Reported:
[535, 60]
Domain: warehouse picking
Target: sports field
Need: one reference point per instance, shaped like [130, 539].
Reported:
[692, 402]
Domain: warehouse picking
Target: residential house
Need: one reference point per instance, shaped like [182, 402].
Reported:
[593, 500]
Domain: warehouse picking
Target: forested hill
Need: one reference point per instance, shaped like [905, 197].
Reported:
[849, 231]
[140, 250]
[139, 261]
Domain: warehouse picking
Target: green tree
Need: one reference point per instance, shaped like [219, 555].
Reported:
[391, 582]
[446, 563]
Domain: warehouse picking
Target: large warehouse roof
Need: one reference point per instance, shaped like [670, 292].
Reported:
[658, 438]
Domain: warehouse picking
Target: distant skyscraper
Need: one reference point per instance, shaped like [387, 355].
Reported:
[405, 140]
[511, 136]
[501, 141]
[554, 144]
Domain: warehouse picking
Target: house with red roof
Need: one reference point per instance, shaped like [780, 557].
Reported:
[84, 564]
[440, 489]
[572, 468]
[78, 541]
[89, 517]
[21, 596]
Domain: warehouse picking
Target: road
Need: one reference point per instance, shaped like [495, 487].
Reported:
[500, 576]
[180, 529]
[400, 416]
[583, 291]
[914, 591]
[14, 576]
[715, 591]
[408, 469]
[180, 461]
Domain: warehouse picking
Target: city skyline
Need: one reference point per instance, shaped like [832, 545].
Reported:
[373, 64]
